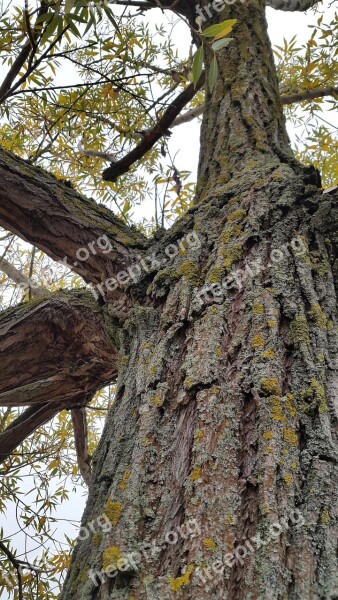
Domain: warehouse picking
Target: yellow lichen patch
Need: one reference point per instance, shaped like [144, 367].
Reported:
[288, 478]
[110, 557]
[97, 539]
[318, 316]
[289, 403]
[229, 232]
[230, 520]
[232, 255]
[270, 354]
[320, 358]
[325, 518]
[188, 382]
[267, 435]
[269, 450]
[176, 584]
[330, 325]
[290, 437]
[219, 352]
[257, 341]
[156, 401]
[270, 385]
[299, 330]
[276, 409]
[209, 543]
[113, 511]
[199, 435]
[236, 215]
[265, 508]
[190, 271]
[258, 309]
[195, 475]
[124, 480]
[271, 323]
[215, 275]
[294, 465]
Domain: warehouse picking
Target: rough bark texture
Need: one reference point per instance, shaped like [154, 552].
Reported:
[226, 411]
[55, 352]
[227, 414]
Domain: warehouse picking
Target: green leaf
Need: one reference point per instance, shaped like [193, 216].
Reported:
[214, 30]
[219, 44]
[213, 74]
[197, 65]
[69, 5]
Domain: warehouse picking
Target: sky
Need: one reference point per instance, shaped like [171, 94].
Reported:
[184, 142]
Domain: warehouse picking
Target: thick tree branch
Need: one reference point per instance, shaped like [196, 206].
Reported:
[300, 96]
[161, 128]
[24, 53]
[292, 5]
[67, 358]
[55, 218]
[304, 95]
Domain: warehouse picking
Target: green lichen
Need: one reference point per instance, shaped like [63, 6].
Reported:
[290, 406]
[97, 539]
[189, 270]
[237, 215]
[215, 275]
[230, 232]
[300, 331]
[325, 518]
[314, 397]
[318, 316]
[232, 254]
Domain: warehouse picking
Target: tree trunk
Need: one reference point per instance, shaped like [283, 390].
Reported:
[217, 468]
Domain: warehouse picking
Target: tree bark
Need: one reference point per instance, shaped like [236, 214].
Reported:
[217, 466]
[55, 352]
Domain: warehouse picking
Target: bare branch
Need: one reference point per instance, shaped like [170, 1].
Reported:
[26, 282]
[161, 128]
